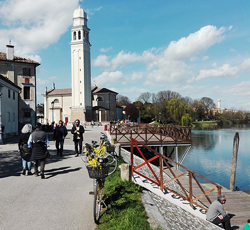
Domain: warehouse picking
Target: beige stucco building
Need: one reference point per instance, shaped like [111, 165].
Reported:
[57, 105]
[22, 72]
[9, 93]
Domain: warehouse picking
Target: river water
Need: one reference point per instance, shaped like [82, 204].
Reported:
[211, 156]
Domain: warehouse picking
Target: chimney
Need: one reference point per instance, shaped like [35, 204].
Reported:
[53, 85]
[9, 52]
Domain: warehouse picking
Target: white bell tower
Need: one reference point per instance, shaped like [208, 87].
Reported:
[80, 67]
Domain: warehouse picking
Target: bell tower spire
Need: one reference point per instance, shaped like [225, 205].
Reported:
[80, 66]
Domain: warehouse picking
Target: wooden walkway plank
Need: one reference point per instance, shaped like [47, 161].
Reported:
[237, 204]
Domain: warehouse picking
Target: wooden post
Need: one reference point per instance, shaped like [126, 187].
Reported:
[161, 173]
[190, 190]
[234, 160]
[131, 155]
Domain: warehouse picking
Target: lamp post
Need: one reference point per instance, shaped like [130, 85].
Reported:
[1, 133]
[52, 104]
[96, 115]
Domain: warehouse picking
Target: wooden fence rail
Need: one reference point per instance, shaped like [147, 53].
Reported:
[158, 180]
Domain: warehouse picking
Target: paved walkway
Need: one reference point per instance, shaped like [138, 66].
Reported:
[61, 201]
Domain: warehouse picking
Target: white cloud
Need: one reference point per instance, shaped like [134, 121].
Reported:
[108, 78]
[103, 50]
[246, 64]
[101, 61]
[42, 82]
[242, 88]
[205, 58]
[34, 25]
[195, 43]
[123, 58]
[168, 71]
[136, 76]
[217, 87]
[165, 66]
[92, 11]
[221, 71]
[52, 77]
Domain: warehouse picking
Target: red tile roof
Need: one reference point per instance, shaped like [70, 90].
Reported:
[103, 90]
[17, 59]
[59, 91]
[9, 81]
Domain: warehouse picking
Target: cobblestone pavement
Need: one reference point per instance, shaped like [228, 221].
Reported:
[165, 214]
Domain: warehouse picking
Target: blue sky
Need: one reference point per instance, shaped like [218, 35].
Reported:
[196, 48]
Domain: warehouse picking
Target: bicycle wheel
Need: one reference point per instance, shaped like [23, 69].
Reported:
[112, 161]
[98, 200]
[84, 154]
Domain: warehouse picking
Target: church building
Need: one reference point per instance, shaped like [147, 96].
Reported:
[81, 101]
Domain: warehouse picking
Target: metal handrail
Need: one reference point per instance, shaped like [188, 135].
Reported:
[177, 133]
[159, 179]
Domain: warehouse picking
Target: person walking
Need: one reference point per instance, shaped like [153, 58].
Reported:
[37, 140]
[247, 225]
[23, 149]
[60, 132]
[77, 131]
[216, 213]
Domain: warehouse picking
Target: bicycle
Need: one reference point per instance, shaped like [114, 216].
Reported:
[103, 149]
[99, 173]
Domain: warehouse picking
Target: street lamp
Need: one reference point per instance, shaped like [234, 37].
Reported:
[96, 115]
[1, 133]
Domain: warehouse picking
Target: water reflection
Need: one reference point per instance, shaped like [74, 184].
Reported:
[203, 139]
[211, 156]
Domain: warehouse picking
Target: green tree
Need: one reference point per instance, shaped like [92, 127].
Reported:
[177, 109]
[123, 100]
[199, 110]
[186, 120]
[132, 111]
[40, 109]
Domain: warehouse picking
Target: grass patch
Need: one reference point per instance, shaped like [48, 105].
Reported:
[125, 209]
[204, 123]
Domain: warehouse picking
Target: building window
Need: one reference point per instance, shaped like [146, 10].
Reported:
[8, 116]
[79, 35]
[26, 71]
[74, 35]
[26, 92]
[26, 114]
[8, 93]
[14, 117]
[14, 95]
[99, 98]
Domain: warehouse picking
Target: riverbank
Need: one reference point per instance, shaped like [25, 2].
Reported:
[204, 124]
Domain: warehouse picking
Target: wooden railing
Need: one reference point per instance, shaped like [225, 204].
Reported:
[159, 179]
[147, 132]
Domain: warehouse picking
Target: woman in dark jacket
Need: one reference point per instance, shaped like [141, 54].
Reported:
[38, 142]
[23, 149]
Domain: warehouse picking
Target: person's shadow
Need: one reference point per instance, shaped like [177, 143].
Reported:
[59, 171]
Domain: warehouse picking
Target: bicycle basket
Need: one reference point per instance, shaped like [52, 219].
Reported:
[110, 149]
[98, 172]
